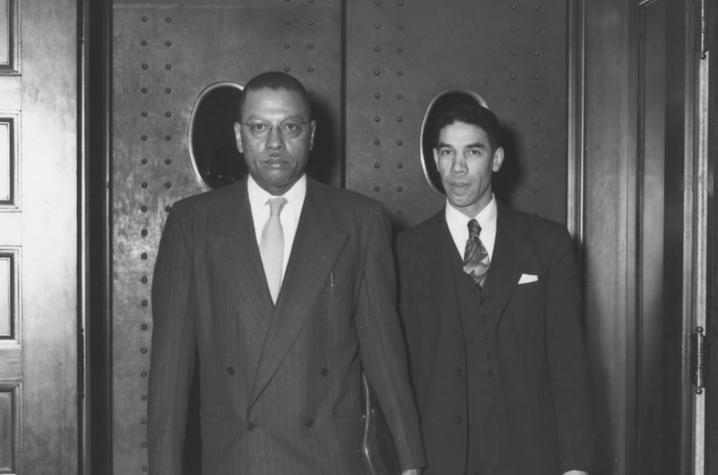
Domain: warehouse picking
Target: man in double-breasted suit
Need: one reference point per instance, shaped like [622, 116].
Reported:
[491, 310]
[284, 290]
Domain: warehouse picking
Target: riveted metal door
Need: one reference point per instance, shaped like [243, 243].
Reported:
[373, 67]
[38, 237]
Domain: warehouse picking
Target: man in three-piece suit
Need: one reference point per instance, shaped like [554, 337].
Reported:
[490, 304]
[284, 290]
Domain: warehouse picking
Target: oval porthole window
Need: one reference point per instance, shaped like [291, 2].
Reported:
[428, 130]
[213, 148]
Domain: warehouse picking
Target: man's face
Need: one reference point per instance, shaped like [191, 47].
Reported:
[466, 161]
[275, 135]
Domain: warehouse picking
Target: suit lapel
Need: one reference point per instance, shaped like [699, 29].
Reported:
[316, 246]
[236, 243]
[511, 253]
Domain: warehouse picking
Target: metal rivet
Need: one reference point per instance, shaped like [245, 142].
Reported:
[400, 26]
[168, 114]
[536, 122]
[400, 49]
[168, 161]
[377, 72]
[513, 99]
[287, 69]
[168, 90]
[377, 95]
[144, 398]
[168, 208]
[537, 30]
[537, 8]
[537, 53]
[143, 350]
[400, 96]
[536, 145]
[144, 114]
[514, 29]
[144, 185]
[168, 185]
[143, 468]
[144, 19]
[399, 189]
[310, 69]
[399, 119]
[513, 76]
[514, 52]
[145, 66]
[143, 421]
[168, 67]
[400, 2]
[310, 46]
[168, 137]
[537, 100]
[377, 142]
[377, 118]
[143, 42]
[144, 90]
[143, 208]
[287, 46]
[537, 77]
[514, 122]
[168, 43]
[377, 25]
[399, 165]
[144, 281]
[377, 2]
[143, 255]
[377, 49]
[377, 165]
[400, 143]
[377, 188]
[143, 445]
[144, 303]
[143, 161]
[168, 19]
[514, 6]
[400, 73]
[310, 23]
[143, 232]
[143, 374]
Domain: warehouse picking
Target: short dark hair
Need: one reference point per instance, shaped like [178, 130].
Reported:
[470, 113]
[274, 80]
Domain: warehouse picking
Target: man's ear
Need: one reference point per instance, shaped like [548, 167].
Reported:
[497, 160]
[238, 136]
[312, 129]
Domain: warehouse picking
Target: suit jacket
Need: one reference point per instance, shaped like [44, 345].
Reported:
[543, 377]
[280, 387]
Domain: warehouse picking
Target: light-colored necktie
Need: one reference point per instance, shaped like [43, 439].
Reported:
[271, 247]
[476, 258]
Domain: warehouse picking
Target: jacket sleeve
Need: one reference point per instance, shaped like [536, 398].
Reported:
[567, 360]
[381, 344]
[173, 349]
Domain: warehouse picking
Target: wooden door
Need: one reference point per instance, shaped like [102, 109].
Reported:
[38, 237]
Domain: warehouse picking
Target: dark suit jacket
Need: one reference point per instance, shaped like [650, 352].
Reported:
[541, 356]
[280, 387]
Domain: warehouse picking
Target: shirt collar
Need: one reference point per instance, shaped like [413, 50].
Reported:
[258, 197]
[457, 223]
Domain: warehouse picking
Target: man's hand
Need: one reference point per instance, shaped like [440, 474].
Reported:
[575, 472]
[413, 471]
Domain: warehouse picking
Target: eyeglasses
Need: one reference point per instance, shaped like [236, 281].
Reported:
[288, 129]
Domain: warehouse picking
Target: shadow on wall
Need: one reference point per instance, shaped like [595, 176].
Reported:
[213, 148]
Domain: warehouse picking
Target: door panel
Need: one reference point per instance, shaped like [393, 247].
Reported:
[38, 238]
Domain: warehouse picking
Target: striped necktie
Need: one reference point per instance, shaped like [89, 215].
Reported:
[476, 258]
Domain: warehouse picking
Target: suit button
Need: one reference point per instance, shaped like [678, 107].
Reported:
[230, 370]
[250, 426]
[484, 318]
[487, 336]
[324, 371]
[459, 419]
[460, 372]
[308, 422]
[491, 373]
[489, 355]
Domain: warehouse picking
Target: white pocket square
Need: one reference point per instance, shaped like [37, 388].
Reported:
[528, 278]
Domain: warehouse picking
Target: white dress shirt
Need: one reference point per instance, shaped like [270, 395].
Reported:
[458, 226]
[289, 217]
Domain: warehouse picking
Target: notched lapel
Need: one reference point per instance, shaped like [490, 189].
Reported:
[316, 247]
[512, 251]
[231, 238]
